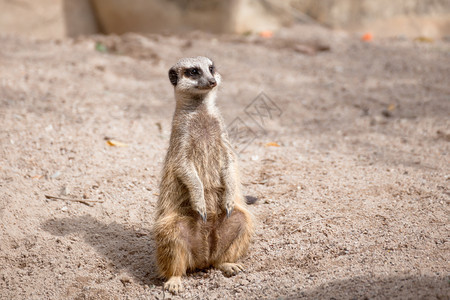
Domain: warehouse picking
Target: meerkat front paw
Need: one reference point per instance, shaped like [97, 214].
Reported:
[231, 269]
[174, 285]
[201, 209]
[229, 205]
[202, 213]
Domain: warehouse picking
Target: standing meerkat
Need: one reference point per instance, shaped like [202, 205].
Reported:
[201, 218]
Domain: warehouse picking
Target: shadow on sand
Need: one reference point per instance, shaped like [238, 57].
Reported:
[133, 250]
[391, 287]
[126, 248]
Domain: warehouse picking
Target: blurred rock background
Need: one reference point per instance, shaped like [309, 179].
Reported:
[70, 18]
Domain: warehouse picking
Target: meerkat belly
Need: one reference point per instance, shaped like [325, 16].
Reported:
[207, 150]
[209, 162]
[208, 158]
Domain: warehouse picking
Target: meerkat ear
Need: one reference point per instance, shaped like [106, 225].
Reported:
[173, 76]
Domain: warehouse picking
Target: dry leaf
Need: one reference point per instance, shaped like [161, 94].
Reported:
[367, 37]
[272, 144]
[266, 34]
[114, 143]
[423, 39]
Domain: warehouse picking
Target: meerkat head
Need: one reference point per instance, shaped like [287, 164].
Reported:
[194, 75]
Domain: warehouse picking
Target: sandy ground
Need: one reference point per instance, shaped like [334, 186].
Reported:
[353, 204]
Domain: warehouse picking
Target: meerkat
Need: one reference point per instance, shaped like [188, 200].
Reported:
[202, 218]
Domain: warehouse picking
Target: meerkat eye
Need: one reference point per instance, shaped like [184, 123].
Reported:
[212, 69]
[192, 72]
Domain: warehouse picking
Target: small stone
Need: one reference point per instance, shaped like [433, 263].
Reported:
[380, 120]
[125, 279]
[56, 174]
[65, 190]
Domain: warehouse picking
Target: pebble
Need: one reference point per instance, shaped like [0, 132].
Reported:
[125, 279]
[65, 190]
[56, 174]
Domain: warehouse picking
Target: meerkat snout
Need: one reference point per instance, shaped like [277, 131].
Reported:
[194, 75]
[212, 82]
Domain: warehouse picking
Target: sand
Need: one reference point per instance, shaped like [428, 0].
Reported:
[347, 150]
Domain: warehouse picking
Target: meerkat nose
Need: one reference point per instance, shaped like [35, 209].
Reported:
[212, 82]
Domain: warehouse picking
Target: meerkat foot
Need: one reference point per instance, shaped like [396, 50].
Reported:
[230, 269]
[174, 285]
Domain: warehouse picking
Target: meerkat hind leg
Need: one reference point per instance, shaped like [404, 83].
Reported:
[173, 251]
[234, 235]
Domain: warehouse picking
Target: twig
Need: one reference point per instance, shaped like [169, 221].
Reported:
[87, 202]
[313, 221]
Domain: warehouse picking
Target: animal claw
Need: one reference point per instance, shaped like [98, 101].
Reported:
[231, 269]
[174, 285]
[229, 212]
[203, 216]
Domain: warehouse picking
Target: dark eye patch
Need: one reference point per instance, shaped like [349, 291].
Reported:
[193, 72]
[212, 69]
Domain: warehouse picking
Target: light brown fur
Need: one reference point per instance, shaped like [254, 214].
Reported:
[202, 219]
